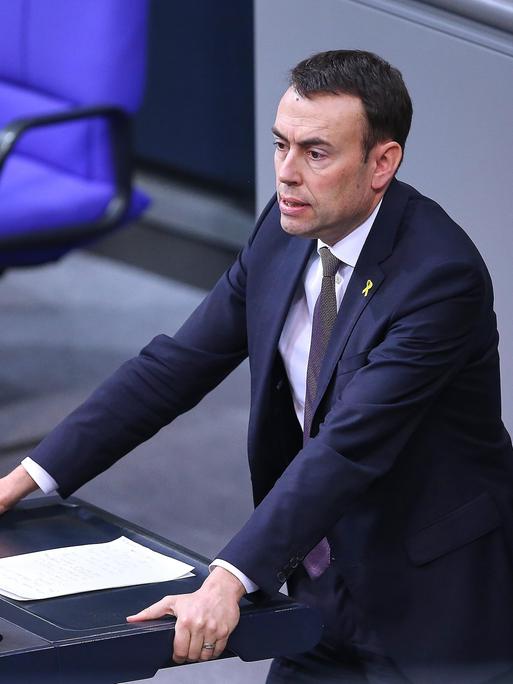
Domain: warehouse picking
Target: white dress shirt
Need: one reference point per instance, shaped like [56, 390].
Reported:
[44, 480]
[294, 345]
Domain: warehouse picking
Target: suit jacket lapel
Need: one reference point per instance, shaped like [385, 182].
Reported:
[366, 279]
[352, 306]
[283, 279]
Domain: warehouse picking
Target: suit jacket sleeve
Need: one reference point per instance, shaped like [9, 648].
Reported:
[371, 418]
[169, 377]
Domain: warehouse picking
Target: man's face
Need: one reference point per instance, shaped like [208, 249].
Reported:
[323, 183]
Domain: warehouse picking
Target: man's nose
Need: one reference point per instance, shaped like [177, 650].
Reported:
[288, 170]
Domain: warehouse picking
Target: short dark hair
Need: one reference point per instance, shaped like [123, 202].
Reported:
[379, 86]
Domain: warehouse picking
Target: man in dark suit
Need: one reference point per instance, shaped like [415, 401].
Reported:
[382, 472]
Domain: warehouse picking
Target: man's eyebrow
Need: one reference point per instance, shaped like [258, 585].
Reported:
[307, 142]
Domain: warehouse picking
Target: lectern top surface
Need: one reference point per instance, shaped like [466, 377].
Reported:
[56, 524]
[85, 633]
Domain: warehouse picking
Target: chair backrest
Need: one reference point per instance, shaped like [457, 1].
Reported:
[62, 54]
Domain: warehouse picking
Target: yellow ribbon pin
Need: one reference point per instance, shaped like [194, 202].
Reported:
[366, 289]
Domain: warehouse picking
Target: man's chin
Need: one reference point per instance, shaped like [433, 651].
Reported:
[296, 228]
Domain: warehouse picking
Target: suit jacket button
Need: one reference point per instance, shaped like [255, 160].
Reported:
[281, 577]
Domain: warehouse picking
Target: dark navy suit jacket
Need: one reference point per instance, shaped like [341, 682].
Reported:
[409, 470]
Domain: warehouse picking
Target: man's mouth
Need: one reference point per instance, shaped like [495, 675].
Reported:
[292, 202]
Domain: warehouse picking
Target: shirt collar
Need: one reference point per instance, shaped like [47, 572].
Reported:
[348, 249]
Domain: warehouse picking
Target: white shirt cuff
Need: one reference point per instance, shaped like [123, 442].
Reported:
[248, 585]
[44, 481]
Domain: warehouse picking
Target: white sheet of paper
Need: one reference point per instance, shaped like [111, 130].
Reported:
[74, 569]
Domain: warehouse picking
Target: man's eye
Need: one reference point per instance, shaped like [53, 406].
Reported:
[279, 145]
[316, 155]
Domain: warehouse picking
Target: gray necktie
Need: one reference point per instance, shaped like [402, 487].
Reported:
[325, 314]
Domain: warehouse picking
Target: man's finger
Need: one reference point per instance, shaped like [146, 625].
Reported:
[219, 648]
[155, 611]
[181, 643]
[196, 651]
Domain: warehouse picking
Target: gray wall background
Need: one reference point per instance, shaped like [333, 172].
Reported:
[460, 75]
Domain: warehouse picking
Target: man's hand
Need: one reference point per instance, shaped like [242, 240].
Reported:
[206, 617]
[14, 487]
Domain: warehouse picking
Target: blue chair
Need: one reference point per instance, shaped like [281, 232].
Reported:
[71, 76]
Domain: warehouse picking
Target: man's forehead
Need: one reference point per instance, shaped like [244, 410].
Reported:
[320, 114]
[304, 123]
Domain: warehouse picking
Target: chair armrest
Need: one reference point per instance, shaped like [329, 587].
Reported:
[120, 140]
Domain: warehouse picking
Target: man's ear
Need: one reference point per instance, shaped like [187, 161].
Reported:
[387, 157]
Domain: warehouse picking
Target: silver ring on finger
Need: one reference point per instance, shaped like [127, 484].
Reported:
[208, 646]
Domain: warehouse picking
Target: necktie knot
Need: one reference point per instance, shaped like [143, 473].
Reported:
[330, 263]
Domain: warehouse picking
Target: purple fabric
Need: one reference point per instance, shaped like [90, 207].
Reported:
[11, 54]
[66, 54]
[318, 560]
[34, 197]
[80, 51]
[77, 147]
[56, 56]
